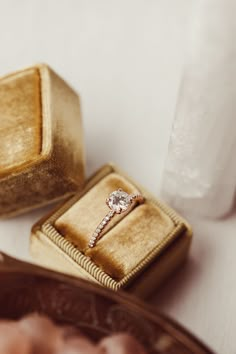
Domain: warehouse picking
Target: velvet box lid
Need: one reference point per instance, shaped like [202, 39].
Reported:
[41, 146]
[137, 252]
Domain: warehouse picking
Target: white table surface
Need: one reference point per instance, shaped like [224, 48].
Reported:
[125, 58]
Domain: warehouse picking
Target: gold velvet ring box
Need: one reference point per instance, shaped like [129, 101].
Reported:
[41, 147]
[138, 251]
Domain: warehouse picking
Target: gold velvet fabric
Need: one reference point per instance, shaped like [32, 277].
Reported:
[20, 119]
[129, 239]
[41, 145]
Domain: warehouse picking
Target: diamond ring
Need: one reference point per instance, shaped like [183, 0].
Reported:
[118, 202]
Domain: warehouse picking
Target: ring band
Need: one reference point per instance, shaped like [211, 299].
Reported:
[118, 202]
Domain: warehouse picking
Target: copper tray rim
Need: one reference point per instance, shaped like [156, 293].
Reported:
[9, 265]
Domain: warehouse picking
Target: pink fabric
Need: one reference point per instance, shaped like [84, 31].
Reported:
[37, 334]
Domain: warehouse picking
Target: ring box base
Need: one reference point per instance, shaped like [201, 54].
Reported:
[138, 253]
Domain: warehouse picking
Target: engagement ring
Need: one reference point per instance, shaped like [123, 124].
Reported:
[118, 202]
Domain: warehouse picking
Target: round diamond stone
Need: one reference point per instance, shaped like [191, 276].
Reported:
[119, 201]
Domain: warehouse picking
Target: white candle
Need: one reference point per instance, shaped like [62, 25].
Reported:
[200, 173]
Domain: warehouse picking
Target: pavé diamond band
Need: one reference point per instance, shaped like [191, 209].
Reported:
[118, 202]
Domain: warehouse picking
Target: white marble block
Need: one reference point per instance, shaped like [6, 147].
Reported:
[200, 172]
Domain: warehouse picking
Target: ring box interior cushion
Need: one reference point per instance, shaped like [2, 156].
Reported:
[134, 243]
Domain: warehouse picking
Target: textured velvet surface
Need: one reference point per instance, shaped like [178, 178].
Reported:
[41, 145]
[79, 222]
[130, 237]
[20, 117]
